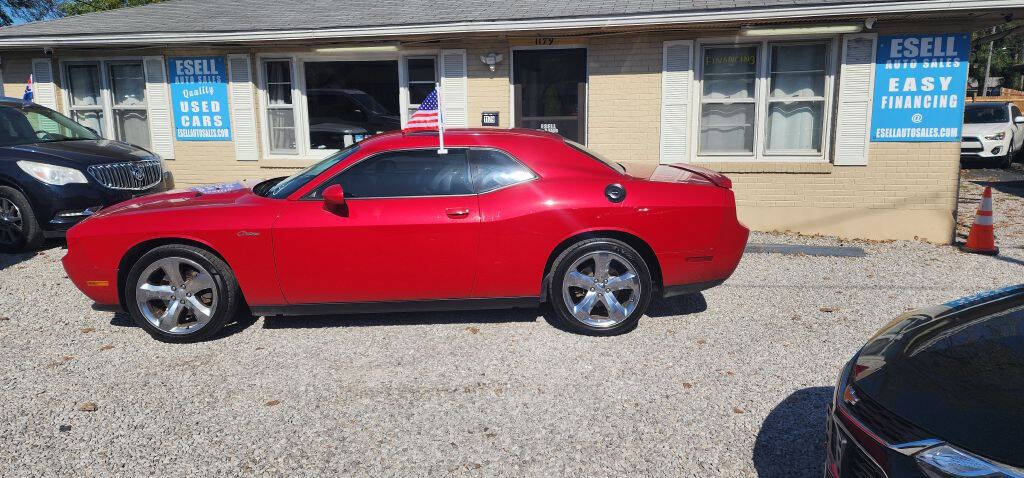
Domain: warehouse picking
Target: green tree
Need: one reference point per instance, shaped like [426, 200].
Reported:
[78, 7]
[27, 10]
[1007, 55]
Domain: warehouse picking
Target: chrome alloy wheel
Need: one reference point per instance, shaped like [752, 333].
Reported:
[601, 289]
[11, 225]
[176, 295]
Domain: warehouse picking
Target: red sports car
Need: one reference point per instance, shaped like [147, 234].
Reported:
[505, 218]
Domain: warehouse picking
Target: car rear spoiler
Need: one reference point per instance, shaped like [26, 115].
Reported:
[714, 177]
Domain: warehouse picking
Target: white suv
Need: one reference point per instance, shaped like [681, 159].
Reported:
[992, 132]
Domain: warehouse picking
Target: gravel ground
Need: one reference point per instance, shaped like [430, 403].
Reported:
[730, 382]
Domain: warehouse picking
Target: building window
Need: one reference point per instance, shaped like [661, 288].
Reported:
[422, 80]
[313, 105]
[110, 98]
[728, 100]
[86, 96]
[280, 106]
[765, 100]
[347, 101]
[796, 98]
[128, 92]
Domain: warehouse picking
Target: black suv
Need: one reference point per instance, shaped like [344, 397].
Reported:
[55, 172]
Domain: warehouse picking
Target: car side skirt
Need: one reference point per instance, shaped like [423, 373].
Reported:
[396, 306]
[674, 290]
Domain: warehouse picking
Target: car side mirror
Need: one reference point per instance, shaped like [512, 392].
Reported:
[334, 200]
[1019, 120]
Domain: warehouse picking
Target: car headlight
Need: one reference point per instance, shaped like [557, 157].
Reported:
[998, 136]
[945, 461]
[52, 174]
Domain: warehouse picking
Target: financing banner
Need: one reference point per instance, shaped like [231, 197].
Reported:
[199, 98]
[920, 83]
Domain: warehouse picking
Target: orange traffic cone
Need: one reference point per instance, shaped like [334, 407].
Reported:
[982, 239]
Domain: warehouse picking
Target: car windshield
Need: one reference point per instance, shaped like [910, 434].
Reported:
[292, 183]
[31, 124]
[583, 149]
[986, 114]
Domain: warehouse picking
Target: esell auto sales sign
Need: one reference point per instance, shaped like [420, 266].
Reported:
[920, 83]
[199, 98]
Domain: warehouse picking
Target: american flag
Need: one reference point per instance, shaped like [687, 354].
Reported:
[28, 90]
[426, 116]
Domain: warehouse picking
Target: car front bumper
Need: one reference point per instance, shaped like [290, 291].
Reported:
[977, 147]
[57, 208]
[854, 444]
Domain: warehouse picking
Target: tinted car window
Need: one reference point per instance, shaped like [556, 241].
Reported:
[33, 124]
[985, 114]
[1015, 111]
[406, 173]
[493, 169]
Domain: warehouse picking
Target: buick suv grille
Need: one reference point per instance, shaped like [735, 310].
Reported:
[135, 175]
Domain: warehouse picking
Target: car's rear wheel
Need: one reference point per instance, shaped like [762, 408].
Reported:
[19, 229]
[181, 293]
[600, 287]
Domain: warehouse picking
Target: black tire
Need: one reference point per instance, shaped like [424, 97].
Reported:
[228, 295]
[1007, 161]
[567, 258]
[29, 235]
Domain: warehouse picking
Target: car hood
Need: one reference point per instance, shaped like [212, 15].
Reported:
[979, 129]
[202, 196]
[85, 152]
[955, 371]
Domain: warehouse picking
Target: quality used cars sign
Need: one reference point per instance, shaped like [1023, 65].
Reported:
[199, 96]
[920, 82]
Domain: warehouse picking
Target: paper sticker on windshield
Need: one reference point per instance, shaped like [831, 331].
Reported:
[219, 188]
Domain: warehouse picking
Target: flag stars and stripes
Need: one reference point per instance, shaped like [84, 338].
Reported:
[426, 116]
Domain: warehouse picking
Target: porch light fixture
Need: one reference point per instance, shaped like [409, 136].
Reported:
[779, 30]
[491, 59]
[357, 49]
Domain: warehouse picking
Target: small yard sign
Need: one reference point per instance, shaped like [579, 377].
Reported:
[920, 82]
[199, 98]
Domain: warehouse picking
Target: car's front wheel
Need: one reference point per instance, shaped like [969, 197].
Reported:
[19, 229]
[600, 287]
[181, 293]
[1006, 161]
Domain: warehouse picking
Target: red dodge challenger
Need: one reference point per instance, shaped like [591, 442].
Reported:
[505, 218]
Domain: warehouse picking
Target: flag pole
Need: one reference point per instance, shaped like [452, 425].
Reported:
[440, 119]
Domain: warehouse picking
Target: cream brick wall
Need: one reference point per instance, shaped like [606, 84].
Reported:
[907, 191]
[624, 97]
[16, 70]
[487, 90]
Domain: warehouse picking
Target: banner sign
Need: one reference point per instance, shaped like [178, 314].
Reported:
[920, 82]
[199, 98]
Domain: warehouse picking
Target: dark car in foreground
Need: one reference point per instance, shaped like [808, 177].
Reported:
[937, 393]
[55, 172]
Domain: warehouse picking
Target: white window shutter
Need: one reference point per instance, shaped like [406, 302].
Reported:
[853, 112]
[43, 90]
[454, 88]
[243, 109]
[161, 127]
[676, 96]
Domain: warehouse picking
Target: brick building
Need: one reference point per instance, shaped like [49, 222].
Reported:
[777, 94]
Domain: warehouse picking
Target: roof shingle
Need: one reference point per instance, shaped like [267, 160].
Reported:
[179, 16]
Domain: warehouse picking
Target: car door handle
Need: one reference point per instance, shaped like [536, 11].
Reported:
[457, 212]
